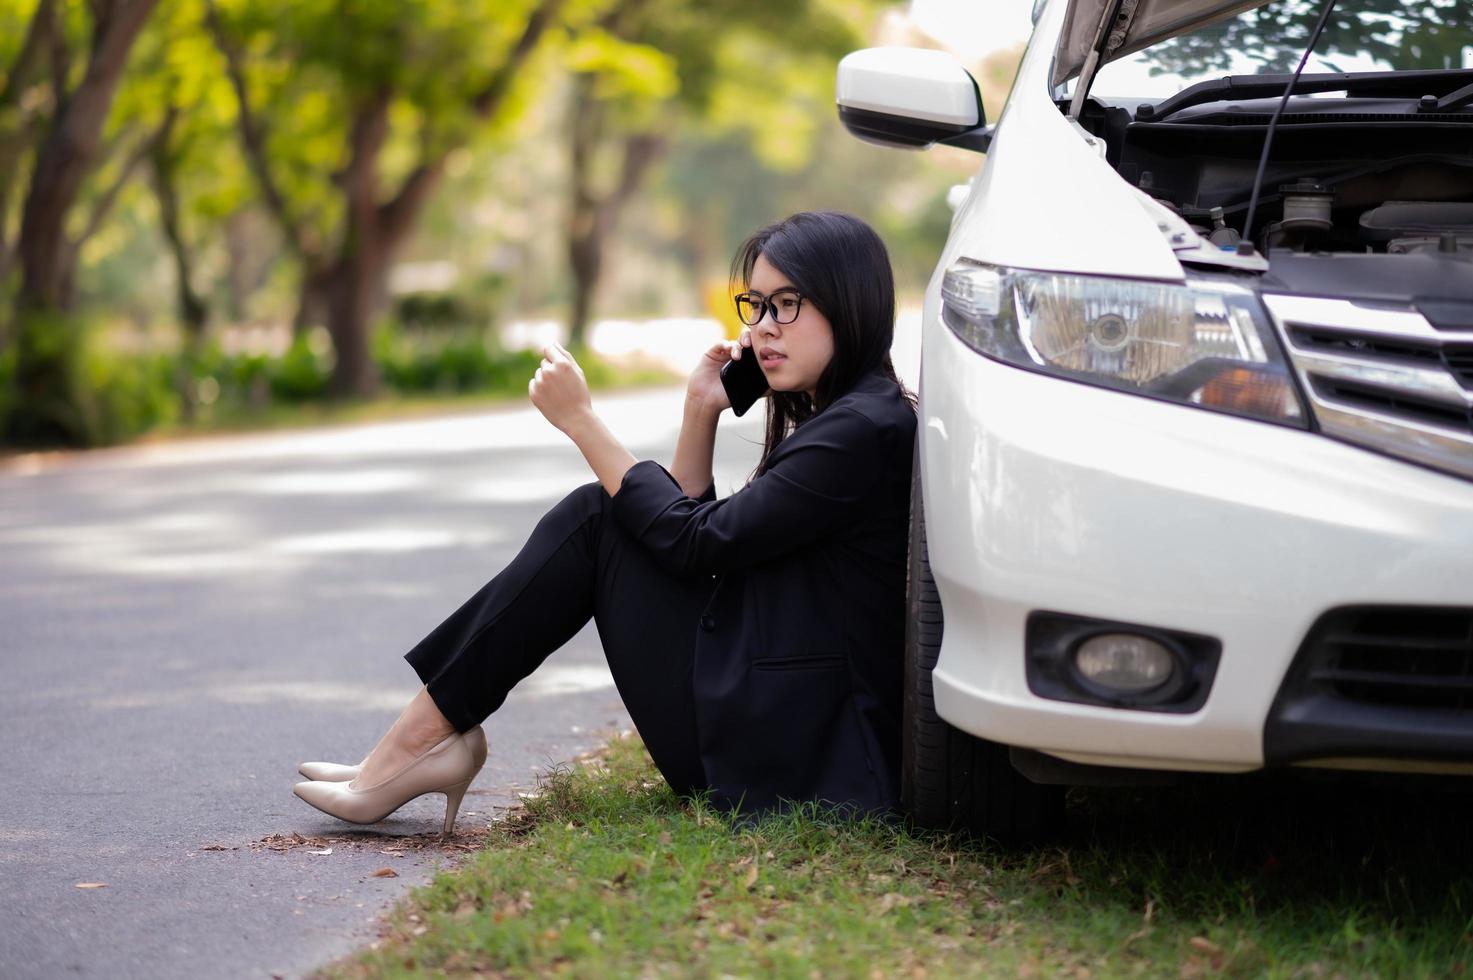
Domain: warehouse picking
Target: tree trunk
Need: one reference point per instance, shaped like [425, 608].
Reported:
[593, 219]
[68, 152]
[363, 258]
[585, 260]
[193, 311]
[313, 304]
[351, 290]
[585, 256]
[17, 118]
[50, 408]
[354, 286]
[585, 245]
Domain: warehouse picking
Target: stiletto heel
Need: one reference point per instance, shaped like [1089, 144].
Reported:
[453, 796]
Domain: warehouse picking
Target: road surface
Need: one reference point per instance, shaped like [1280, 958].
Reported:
[181, 624]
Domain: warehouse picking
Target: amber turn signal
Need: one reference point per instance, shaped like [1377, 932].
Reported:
[1247, 391]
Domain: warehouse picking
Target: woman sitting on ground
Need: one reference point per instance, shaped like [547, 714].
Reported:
[756, 640]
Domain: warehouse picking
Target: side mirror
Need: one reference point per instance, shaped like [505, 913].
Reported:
[911, 98]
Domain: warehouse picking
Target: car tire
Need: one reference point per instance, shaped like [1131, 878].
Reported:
[951, 780]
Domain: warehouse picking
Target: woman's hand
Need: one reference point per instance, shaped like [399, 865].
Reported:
[559, 390]
[704, 386]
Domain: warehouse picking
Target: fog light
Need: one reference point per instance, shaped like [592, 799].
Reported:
[1114, 664]
[1124, 662]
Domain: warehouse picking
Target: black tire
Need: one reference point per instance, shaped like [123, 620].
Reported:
[951, 780]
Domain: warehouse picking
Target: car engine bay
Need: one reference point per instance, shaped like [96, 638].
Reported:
[1389, 174]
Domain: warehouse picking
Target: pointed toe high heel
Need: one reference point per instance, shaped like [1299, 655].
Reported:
[336, 772]
[447, 768]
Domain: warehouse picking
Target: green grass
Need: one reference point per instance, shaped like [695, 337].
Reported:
[396, 405]
[608, 874]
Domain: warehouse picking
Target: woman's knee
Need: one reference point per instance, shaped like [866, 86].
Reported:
[576, 507]
[590, 498]
[594, 491]
[585, 497]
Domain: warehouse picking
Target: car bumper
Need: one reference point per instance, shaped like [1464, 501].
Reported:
[1044, 494]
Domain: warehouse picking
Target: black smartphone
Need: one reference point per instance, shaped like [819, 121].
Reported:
[744, 381]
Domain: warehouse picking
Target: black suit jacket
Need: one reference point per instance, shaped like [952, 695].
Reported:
[798, 657]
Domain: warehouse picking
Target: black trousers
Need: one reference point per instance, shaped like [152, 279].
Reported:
[578, 563]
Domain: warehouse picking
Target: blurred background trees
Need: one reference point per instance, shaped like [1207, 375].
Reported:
[57, 99]
[209, 206]
[347, 114]
[646, 70]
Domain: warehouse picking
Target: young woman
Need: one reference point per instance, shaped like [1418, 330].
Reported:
[755, 640]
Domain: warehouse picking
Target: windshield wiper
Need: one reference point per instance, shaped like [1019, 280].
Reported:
[1235, 88]
[1453, 100]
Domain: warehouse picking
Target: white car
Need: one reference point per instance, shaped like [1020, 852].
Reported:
[1191, 495]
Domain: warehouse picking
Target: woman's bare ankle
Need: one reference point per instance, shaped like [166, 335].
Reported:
[418, 729]
[424, 726]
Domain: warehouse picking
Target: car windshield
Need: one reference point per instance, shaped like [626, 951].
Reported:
[1362, 35]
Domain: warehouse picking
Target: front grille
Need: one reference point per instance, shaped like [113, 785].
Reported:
[1384, 378]
[1391, 682]
[1347, 342]
[1390, 400]
[1421, 659]
[1459, 360]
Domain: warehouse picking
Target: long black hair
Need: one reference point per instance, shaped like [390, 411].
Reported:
[840, 265]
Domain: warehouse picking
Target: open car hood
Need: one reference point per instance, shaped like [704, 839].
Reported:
[1138, 24]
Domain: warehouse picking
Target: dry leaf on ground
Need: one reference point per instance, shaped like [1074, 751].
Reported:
[464, 841]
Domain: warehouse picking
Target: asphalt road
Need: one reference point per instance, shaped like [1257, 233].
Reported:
[181, 624]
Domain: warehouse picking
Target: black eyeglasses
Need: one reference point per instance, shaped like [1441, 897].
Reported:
[785, 305]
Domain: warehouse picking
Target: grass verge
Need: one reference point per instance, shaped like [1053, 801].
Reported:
[391, 406]
[606, 873]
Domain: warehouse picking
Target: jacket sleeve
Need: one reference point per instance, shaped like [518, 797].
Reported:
[819, 481]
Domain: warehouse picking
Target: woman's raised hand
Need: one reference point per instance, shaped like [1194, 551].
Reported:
[559, 390]
[704, 385]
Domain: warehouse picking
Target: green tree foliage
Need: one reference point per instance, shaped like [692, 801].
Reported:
[645, 69]
[772, 145]
[165, 154]
[222, 136]
[177, 110]
[348, 111]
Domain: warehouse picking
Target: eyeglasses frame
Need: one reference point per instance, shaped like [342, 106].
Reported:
[765, 305]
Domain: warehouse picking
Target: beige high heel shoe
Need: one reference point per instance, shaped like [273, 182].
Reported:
[447, 768]
[336, 772]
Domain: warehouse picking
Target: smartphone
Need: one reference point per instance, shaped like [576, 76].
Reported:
[744, 381]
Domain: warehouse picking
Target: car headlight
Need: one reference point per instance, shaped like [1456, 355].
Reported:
[1205, 344]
